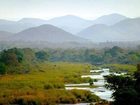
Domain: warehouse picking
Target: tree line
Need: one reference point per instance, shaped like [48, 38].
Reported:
[96, 56]
[11, 60]
[17, 60]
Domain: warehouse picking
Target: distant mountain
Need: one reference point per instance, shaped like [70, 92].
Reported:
[75, 24]
[70, 23]
[33, 21]
[4, 35]
[100, 33]
[3, 22]
[125, 30]
[17, 26]
[13, 26]
[109, 19]
[47, 33]
[130, 28]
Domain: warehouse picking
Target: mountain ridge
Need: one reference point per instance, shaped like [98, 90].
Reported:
[48, 33]
[125, 30]
[70, 23]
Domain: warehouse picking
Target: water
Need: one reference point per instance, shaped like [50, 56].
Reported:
[100, 91]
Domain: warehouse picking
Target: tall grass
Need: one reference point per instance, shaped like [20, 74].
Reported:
[44, 85]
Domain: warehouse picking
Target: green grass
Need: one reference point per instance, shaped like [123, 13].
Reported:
[44, 83]
[44, 73]
[121, 68]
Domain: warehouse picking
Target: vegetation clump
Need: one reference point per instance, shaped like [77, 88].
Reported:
[126, 88]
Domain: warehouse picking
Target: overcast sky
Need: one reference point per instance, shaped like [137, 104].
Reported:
[89, 9]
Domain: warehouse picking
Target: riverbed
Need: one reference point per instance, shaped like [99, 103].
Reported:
[100, 89]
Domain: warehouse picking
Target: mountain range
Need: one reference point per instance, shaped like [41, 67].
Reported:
[70, 23]
[46, 33]
[113, 27]
[125, 30]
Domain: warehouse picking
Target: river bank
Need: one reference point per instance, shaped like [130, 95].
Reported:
[99, 83]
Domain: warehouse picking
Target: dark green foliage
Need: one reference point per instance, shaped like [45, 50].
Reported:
[137, 76]
[93, 56]
[115, 51]
[11, 56]
[41, 55]
[11, 59]
[91, 82]
[96, 56]
[16, 59]
[119, 82]
[2, 68]
[127, 89]
[126, 96]
[54, 86]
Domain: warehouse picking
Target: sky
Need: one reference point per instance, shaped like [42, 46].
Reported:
[46, 9]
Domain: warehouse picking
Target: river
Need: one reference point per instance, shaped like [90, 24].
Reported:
[100, 90]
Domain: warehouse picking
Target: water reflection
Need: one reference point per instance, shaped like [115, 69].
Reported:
[100, 90]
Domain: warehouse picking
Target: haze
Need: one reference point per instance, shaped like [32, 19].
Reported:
[89, 9]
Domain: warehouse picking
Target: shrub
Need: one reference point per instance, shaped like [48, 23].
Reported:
[2, 68]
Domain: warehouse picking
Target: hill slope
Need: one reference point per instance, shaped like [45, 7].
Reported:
[70, 23]
[110, 19]
[100, 33]
[125, 30]
[46, 33]
[4, 35]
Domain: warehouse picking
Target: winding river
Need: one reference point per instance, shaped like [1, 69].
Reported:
[100, 90]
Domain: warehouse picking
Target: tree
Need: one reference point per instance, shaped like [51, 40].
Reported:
[126, 88]
[11, 60]
[2, 68]
[91, 82]
[137, 76]
[41, 55]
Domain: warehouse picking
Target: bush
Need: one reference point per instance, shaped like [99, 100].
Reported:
[54, 86]
[85, 96]
[48, 86]
[2, 68]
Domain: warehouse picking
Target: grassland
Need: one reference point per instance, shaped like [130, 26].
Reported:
[121, 67]
[44, 85]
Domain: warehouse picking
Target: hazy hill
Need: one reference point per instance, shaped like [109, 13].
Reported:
[3, 22]
[46, 33]
[130, 28]
[70, 23]
[33, 21]
[110, 19]
[4, 35]
[13, 26]
[75, 24]
[17, 26]
[125, 30]
[101, 33]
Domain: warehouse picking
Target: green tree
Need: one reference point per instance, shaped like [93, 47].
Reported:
[41, 55]
[9, 58]
[126, 88]
[2, 68]
[137, 76]
[12, 59]
[91, 82]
